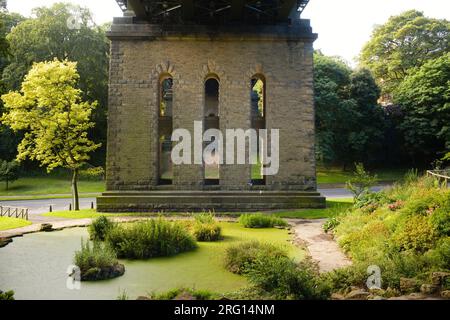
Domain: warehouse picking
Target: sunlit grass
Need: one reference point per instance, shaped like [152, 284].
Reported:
[12, 223]
[48, 186]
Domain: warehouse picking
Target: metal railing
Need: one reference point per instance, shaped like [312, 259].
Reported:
[12, 212]
[441, 175]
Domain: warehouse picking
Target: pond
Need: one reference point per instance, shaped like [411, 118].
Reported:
[35, 266]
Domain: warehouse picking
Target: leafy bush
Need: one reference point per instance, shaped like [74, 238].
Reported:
[153, 238]
[440, 217]
[97, 262]
[6, 296]
[286, 279]
[240, 257]
[406, 234]
[206, 228]
[261, 221]
[370, 199]
[417, 234]
[184, 293]
[331, 224]
[207, 232]
[361, 182]
[99, 228]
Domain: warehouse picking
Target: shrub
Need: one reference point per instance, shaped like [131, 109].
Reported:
[440, 217]
[417, 234]
[344, 278]
[261, 221]
[207, 232]
[185, 294]
[206, 228]
[6, 296]
[330, 224]
[97, 262]
[286, 279]
[361, 182]
[241, 256]
[153, 238]
[99, 228]
[406, 235]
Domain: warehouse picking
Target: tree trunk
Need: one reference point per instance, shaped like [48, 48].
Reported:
[75, 196]
[7, 185]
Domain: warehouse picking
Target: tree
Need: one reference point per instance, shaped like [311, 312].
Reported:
[9, 172]
[56, 120]
[424, 97]
[9, 141]
[405, 42]
[64, 31]
[349, 121]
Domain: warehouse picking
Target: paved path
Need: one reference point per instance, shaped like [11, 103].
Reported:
[321, 246]
[42, 206]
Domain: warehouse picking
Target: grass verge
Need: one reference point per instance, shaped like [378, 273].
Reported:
[334, 207]
[12, 223]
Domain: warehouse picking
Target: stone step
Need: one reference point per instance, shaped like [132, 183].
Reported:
[207, 200]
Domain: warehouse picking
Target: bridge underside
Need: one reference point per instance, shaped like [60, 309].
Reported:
[214, 11]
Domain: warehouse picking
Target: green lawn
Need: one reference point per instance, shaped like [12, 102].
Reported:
[338, 176]
[12, 223]
[334, 207]
[30, 187]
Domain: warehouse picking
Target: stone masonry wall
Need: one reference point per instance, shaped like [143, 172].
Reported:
[136, 67]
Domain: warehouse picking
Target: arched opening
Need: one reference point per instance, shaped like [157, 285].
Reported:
[165, 126]
[258, 116]
[211, 121]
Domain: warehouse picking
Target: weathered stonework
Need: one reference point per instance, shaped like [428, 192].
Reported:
[142, 53]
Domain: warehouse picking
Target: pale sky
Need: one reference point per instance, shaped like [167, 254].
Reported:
[343, 25]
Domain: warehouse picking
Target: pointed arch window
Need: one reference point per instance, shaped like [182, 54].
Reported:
[258, 116]
[165, 127]
[212, 121]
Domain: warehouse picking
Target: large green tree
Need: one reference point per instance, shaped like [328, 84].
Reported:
[8, 140]
[50, 110]
[405, 42]
[63, 31]
[350, 124]
[424, 98]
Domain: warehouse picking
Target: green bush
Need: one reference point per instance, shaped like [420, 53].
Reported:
[184, 293]
[153, 238]
[97, 262]
[6, 296]
[206, 228]
[371, 200]
[207, 232]
[261, 221]
[361, 182]
[406, 233]
[285, 279]
[241, 256]
[331, 224]
[416, 234]
[99, 228]
[440, 217]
